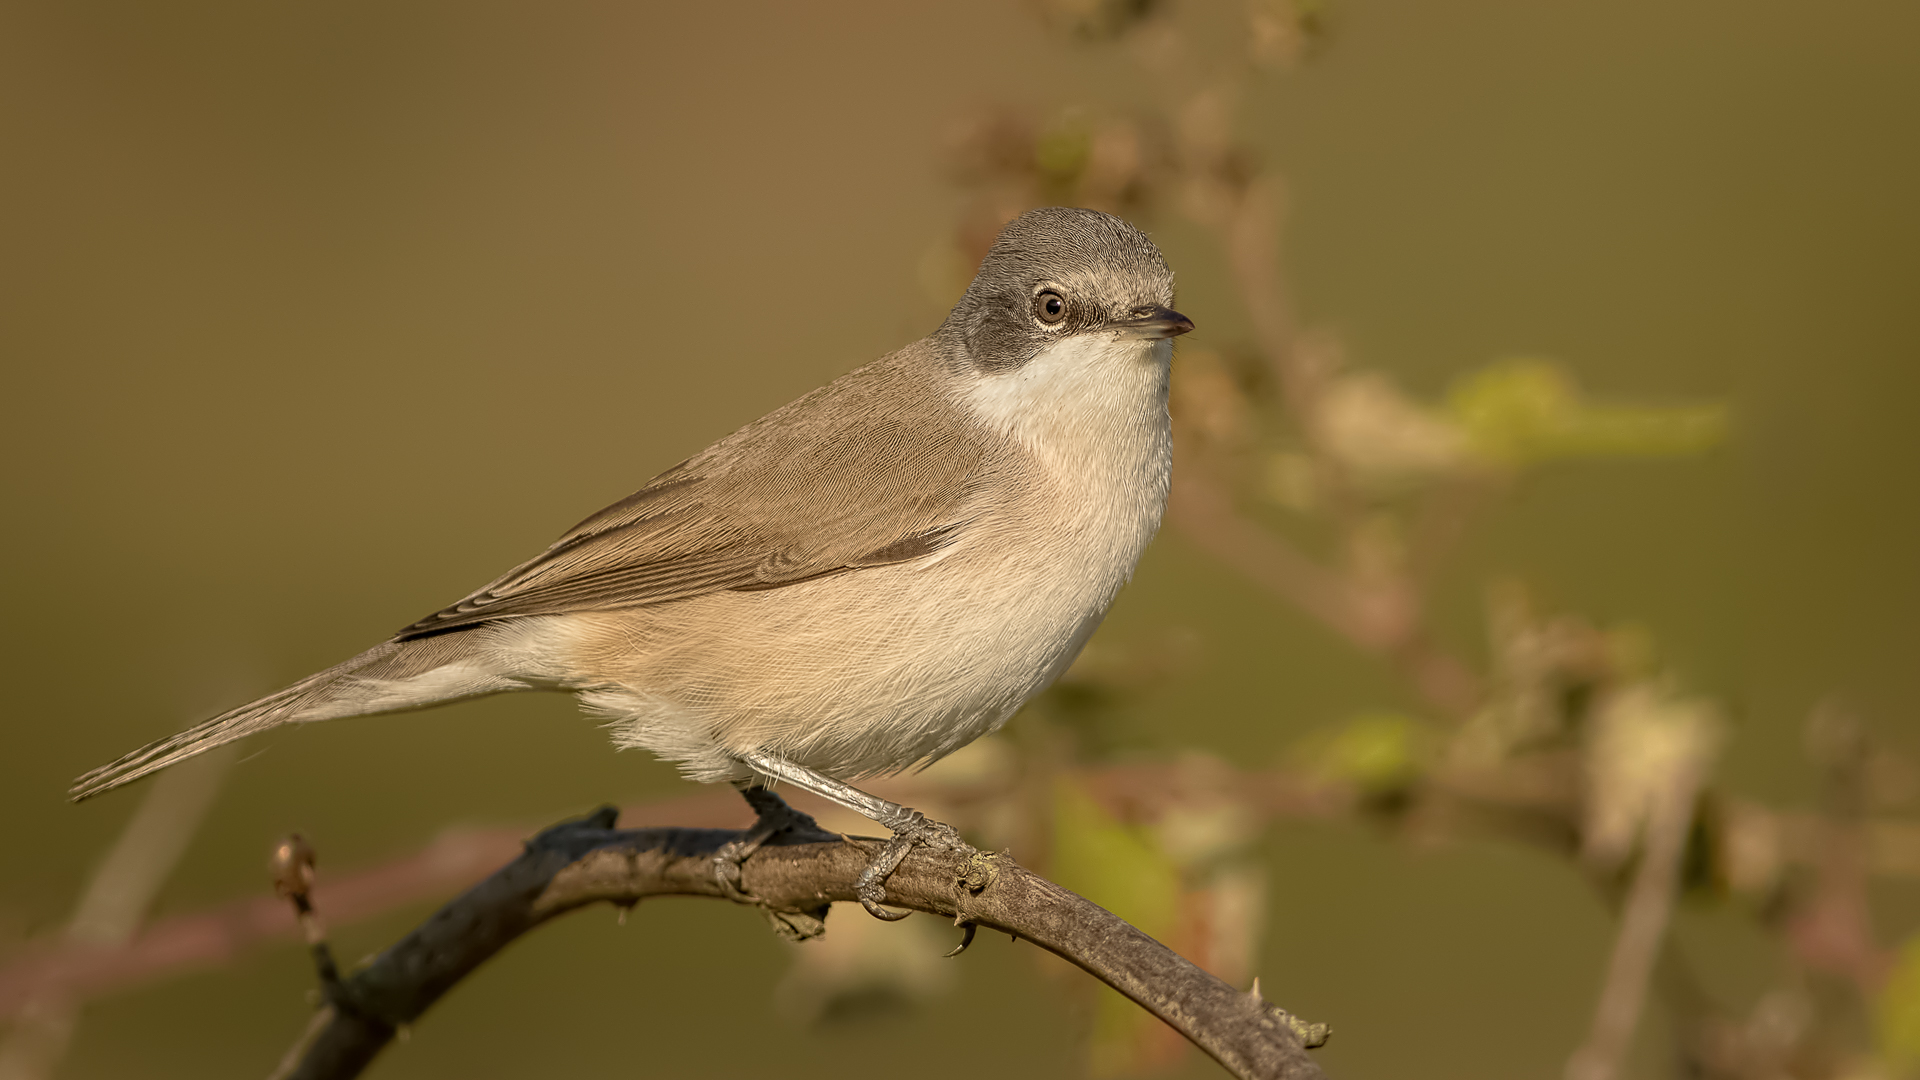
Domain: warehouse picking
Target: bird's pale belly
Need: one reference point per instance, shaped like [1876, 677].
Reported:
[855, 674]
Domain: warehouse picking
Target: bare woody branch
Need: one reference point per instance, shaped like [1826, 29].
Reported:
[793, 879]
[459, 858]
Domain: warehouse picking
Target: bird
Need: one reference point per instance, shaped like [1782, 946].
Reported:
[856, 584]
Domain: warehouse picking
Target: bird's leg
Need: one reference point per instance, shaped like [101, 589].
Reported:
[909, 826]
[774, 817]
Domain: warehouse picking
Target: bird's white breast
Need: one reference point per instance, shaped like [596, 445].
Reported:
[1092, 411]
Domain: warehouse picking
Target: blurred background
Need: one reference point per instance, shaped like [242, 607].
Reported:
[1538, 600]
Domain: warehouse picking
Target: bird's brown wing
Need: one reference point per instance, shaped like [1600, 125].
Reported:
[870, 470]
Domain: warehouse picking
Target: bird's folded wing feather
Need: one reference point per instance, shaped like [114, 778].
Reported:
[839, 480]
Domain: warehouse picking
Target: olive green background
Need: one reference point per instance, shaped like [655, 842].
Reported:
[313, 317]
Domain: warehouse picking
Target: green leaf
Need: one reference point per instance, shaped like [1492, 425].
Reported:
[1518, 412]
[1378, 753]
[1120, 869]
[1113, 865]
[1897, 1012]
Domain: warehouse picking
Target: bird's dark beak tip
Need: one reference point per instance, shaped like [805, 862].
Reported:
[1161, 324]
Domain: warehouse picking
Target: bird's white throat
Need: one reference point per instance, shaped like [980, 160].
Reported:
[1084, 398]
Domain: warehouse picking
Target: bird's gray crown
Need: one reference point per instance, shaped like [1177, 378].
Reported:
[1104, 270]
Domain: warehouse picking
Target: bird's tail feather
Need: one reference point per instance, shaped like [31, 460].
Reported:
[308, 699]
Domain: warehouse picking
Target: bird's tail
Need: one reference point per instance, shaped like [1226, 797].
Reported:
[389, 677]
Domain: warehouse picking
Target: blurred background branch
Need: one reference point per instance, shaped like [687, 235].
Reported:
[46, 1011]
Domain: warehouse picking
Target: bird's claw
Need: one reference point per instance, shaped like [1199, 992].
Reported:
[726, 869]
[775, 817]
[871, 886]
[968, 930]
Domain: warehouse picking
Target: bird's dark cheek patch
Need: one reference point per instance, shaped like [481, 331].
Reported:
[999, 343]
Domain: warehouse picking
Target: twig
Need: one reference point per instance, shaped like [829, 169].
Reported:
[1383, 622]
[793, 878]
[1204, 510]
[1385, 618]
[112, 907]
[1251, 231]
[1831, 926]
[197, 940]
[1643, 925]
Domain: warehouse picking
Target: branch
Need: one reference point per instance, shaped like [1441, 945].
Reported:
[1381, 621]
[459, 858]
[1643, 925]
[793, 879]
[112, 908]
[1832, 928]
[192, 941]
[1384, 618]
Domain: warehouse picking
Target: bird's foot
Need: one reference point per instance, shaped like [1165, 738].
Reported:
[909, 830]
[775, 817]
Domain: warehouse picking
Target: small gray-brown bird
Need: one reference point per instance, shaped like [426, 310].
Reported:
[859, 582]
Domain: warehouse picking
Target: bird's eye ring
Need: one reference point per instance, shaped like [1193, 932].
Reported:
[1050, 308]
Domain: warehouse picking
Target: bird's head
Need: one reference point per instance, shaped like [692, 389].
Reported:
[1061, 275]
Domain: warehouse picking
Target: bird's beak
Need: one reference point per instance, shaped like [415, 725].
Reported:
[1154, 324]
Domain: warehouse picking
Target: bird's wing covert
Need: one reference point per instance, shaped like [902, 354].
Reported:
[844, 478]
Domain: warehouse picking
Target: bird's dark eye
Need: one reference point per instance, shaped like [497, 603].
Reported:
[1050, 307]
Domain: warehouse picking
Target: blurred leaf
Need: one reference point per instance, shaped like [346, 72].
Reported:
[1638, 736]
[1378, 753]
[1061, 151]
[1523, 411]
[1113, 865]
[1383, 436]
[1280, 31]
[1897, 1012]
[1120, 869]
